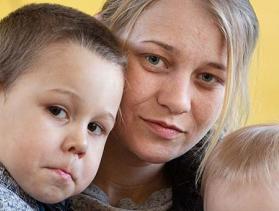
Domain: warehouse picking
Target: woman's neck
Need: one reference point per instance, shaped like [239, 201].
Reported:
[123, 175]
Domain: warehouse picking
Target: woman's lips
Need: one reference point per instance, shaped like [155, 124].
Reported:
[163, 129]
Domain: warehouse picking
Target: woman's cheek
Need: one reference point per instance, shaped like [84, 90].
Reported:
[209, 109]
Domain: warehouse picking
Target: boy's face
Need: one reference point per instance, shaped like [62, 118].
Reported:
[55, 119]
[220, 196]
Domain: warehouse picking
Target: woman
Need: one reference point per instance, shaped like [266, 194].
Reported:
[186, 82]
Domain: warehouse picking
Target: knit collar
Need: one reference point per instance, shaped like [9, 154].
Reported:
[8, 182]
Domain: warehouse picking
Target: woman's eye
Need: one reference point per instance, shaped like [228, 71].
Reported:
[155, 63]
[95, 128]
[57, 112]
[154, 60]
[208, 78]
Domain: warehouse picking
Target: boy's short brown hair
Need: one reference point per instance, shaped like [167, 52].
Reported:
[29, 29]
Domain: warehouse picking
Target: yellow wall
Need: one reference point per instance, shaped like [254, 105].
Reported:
[265, 68]
[88, 6]
[264, 79]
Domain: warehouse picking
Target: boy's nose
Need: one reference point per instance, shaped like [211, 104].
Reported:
[76, 143]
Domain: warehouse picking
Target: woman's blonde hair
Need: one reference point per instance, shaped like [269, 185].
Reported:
[238, 23]
[248, 155]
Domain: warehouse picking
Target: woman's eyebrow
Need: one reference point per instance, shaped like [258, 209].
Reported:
[167, 47]
[217, 66]
[161, 44]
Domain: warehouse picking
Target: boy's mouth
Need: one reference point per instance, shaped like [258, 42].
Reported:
[63, 173]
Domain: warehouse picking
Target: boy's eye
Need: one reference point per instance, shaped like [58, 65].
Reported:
[94, 128]
[57, 112]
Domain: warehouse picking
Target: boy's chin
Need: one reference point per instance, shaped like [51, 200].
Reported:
[52, 196]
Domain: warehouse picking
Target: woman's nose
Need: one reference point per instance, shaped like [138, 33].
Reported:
[176, 95]
[76, 142]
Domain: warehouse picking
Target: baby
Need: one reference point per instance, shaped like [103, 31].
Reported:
[242, 173]
[61, 82]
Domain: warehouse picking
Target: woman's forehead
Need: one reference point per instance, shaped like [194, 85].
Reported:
[177, 17]
[174, 9]
[185, 27]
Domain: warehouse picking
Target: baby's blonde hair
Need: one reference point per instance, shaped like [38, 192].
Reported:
[248, 155]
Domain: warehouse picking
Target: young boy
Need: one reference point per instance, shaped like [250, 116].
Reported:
[61, 82]
[242, 173]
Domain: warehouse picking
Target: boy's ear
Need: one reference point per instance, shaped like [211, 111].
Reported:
[2, 92]
[2, 89]
[98, 16]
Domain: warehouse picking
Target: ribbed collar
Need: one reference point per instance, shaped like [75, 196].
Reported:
[8, 182]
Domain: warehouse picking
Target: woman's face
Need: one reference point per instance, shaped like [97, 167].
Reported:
[175, 80]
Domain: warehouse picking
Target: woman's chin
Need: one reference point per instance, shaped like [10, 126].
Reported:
[156, 157]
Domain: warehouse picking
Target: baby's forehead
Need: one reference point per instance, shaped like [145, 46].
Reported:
[240, 196]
